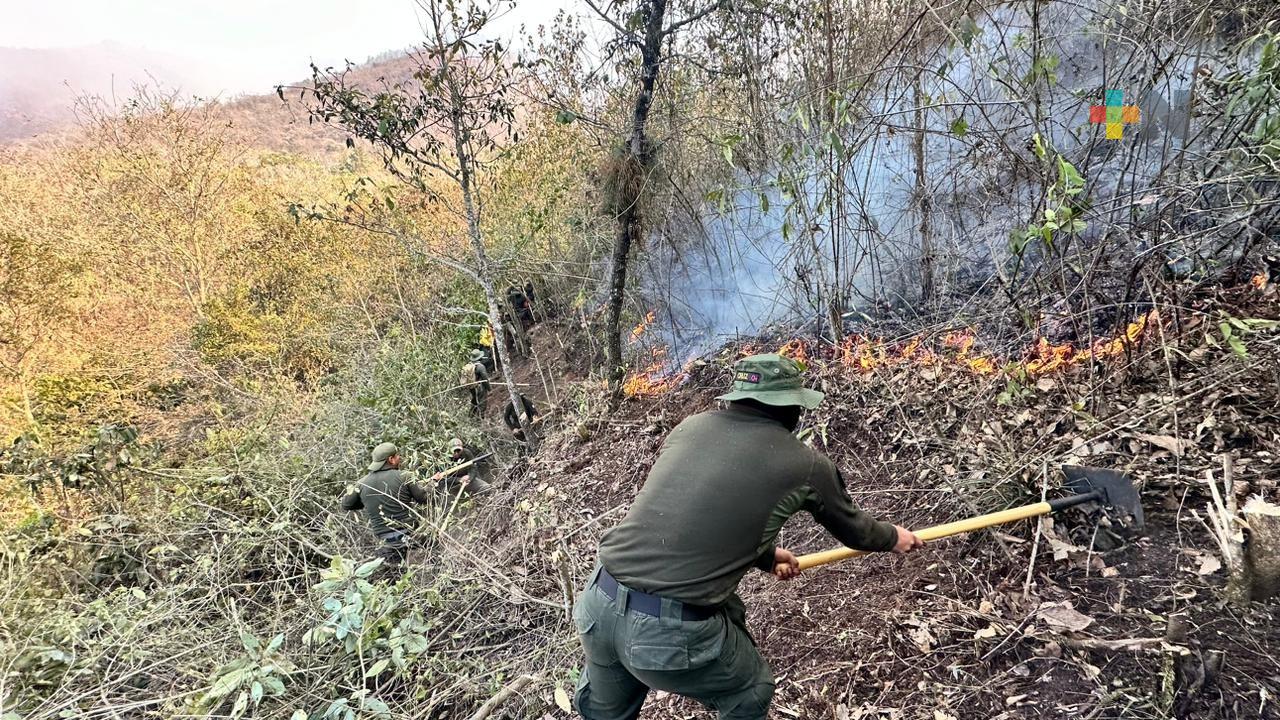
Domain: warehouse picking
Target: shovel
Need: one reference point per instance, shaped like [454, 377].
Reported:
[1111, 489]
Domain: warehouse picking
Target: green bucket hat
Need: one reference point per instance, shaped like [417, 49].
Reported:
[381, 454]
[477, 354]
[773, 380]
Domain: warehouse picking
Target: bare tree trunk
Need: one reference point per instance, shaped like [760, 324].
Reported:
[924, 202]
[636, 158]
[27, 409]
[835, 196]
[484, 273]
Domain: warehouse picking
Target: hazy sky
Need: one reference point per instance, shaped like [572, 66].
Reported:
[236, 46]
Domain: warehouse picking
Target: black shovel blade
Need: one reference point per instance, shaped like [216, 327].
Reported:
[1119, 495]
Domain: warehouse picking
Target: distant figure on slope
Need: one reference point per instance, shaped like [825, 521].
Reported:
[522, 303]
[475, 378]
[470, 479]
[385, 495]
[661, 610]
[527, 416]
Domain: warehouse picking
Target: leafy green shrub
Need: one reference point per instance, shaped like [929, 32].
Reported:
[260, 673]
[369, 623]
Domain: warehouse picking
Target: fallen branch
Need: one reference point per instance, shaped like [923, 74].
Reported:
[505, 694]
[1152, 646]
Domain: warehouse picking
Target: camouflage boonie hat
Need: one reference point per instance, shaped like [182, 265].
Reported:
[477, 354]
[381, 454]
[773, 380]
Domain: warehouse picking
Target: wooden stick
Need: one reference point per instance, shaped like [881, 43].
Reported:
[503, 695]
[1035, 546]
[1155, 646]
[461, 466]
[462, 487]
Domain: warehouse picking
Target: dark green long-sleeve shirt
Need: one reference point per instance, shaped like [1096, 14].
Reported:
[384, 496]
[724, 483]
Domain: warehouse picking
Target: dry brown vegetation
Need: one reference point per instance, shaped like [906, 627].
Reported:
[210, 314]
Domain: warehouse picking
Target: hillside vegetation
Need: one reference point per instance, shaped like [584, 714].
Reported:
[211, 313]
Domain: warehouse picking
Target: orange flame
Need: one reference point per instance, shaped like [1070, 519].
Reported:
[1259, 281]
[957, 350]
[640, 329]
[656, 378]
[867, 354]
[797, 350]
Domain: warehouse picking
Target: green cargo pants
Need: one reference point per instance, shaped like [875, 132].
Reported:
[713, 661]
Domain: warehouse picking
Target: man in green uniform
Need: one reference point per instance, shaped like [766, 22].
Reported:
[384, 495]
[475, 378]
[517, 422]
[661, 610]
[471, 479]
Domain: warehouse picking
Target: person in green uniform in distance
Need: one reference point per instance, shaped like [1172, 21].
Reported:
[661, 610]
[385, 495]
[471, 479]
[518, 421]
[475, 378]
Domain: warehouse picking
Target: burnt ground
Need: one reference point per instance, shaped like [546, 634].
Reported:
[957, 630]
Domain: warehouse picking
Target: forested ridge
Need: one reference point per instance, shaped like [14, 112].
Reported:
[212, 312]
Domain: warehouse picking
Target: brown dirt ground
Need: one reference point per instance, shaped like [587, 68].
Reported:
[948, 632]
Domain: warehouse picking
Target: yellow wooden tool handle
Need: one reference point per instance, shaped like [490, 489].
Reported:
[937, 531]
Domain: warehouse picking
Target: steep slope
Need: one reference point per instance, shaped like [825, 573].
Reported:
[993, 625]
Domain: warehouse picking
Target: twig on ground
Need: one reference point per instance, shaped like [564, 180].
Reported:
[1035, 545]
[504, 695]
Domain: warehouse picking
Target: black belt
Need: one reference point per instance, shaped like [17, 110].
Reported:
[651, 604]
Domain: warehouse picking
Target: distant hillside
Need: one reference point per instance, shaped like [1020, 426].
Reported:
[38, 87]
[264, 121]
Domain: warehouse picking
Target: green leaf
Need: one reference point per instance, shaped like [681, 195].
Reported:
[959, 127]
[298, 715]
[242, 702]
[376, 706]
[224, 685]
[377, 668]
[1038, 145]
[275, 643]
[367, 569]
[1237, 346]
[255, 692]
[273, 685]
[249, 642]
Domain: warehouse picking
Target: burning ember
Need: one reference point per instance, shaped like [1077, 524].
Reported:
[1259, 281]
[866, 355]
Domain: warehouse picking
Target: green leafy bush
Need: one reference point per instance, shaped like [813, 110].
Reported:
[260, 673]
